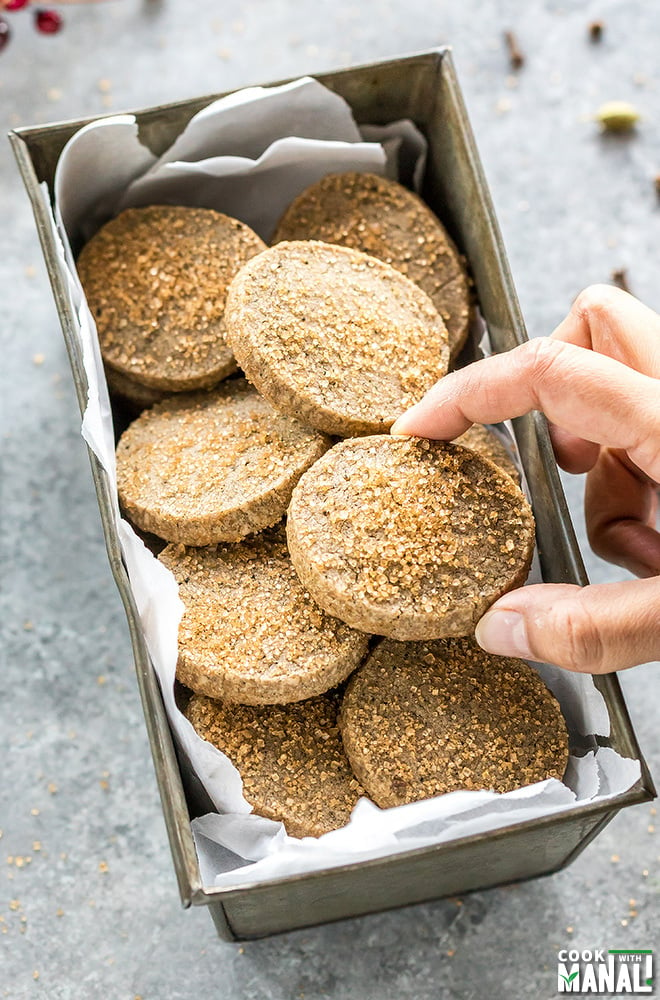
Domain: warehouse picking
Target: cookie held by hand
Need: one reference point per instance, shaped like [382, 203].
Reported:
[408, 538]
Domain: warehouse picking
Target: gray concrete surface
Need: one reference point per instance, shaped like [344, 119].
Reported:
[88, 901]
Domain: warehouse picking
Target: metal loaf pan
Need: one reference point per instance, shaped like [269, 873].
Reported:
[422, 87]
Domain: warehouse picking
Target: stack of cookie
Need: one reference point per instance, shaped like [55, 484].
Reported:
[299, 531]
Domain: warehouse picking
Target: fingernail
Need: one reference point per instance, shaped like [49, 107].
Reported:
[401, 424]
[504, 632]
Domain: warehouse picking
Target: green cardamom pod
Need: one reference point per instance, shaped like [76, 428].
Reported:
[617, 116]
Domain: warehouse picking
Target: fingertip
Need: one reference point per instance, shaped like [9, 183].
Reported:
[412, 422]
[573, 454]
[400, 427]
[503, 631]
[627, 543]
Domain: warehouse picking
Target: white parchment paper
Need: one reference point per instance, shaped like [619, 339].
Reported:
[249, 155]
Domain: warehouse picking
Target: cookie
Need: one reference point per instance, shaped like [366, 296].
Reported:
[156, 280]
[250, 633]
[408, 538]
[201, 468]
[290, 757]
[422, 719]
[480, 439]
[133, 394]
[386, 220]
[334, 337]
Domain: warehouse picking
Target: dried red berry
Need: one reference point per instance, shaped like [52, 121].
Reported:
[48, 21]
[5, 33]
[16, 4]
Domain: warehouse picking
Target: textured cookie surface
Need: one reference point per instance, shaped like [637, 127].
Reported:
[480, 439]
[408, 538]
[156, 281]
[200, 468]
[334, 337]
[386, 220]
[421, 719]
[249, 632]
[290, 757]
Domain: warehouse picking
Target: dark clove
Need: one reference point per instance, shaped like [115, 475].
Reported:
[516, 57]
[596, 29]
[620, 279]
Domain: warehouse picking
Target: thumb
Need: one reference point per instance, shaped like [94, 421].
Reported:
[593, 629]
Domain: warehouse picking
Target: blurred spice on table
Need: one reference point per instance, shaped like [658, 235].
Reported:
[620, 279]
[596, 29]
[516, 56]
[617, 116]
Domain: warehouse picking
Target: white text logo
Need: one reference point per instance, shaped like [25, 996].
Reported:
[611, 972]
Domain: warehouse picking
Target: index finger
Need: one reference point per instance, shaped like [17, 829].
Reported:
[585, 393]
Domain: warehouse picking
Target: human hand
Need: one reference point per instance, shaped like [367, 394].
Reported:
[597, 379]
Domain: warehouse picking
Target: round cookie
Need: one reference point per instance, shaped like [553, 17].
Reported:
[480, 439]
[334, 337]
[201, 468]
[408, 538]
[250, 633]
[422, 719]
[156, 280]
[385, 219]
[290, 757]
